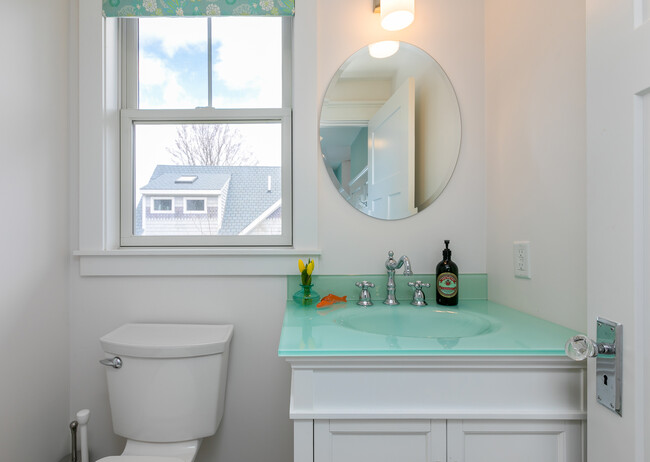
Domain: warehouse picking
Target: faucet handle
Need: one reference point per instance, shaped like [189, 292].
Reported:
[418, 294]
[364, 296]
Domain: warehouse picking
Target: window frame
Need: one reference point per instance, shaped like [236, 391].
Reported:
[131, 116]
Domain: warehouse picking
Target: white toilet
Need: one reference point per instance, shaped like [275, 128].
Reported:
[166, 386]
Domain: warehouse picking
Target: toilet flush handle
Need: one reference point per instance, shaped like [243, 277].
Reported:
[116, 362]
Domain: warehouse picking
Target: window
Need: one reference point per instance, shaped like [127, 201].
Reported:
[162, 205]
[194, 206]
[100, 249]
[206, 110]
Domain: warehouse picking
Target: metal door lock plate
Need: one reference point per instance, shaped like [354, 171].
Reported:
[609, 365]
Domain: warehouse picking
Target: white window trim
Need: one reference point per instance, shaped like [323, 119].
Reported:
[202, 212]
[262, 217]
[157, 198]
[99, 250]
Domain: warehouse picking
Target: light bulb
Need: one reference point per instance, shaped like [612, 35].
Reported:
[397, 14]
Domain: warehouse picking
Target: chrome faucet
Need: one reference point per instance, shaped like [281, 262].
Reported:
[391, 266]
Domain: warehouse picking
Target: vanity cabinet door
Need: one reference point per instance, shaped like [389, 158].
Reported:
[514, 441]
[379, 440]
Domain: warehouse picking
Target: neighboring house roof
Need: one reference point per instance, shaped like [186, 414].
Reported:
[167, 180]
[248, 194]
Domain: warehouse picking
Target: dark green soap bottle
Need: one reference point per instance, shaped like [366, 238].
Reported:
[447, 279]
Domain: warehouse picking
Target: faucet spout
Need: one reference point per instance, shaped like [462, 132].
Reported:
[392, 265]
[407, 265]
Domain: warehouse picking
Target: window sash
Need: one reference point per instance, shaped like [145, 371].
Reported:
[129, 69]
[130, 116]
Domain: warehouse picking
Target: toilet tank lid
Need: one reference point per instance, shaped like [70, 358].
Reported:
[167, 340]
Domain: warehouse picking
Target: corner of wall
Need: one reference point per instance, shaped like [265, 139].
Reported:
[536, 152]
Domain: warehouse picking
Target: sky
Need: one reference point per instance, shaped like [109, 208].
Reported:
[173, 74]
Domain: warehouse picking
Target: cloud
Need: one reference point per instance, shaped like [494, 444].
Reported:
[160, 85]
[173, 34]
[249, 55]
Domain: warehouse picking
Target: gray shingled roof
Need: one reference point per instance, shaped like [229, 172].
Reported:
[206, 181]
[247, 199]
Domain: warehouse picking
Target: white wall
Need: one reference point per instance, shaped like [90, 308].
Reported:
[256, 424]
[536, 167]
[34, 231]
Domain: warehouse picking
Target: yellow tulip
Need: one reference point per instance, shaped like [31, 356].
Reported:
[305, 271]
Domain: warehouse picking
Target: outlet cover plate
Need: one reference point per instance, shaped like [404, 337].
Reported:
[521, 259]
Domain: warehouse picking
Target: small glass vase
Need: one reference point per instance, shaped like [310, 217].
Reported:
[306, 295]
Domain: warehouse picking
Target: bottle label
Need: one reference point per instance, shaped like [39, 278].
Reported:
[447, 285]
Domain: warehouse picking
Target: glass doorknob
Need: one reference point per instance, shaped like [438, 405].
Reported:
[580, 347]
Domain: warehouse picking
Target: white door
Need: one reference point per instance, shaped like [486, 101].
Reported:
[618, 179]
[514, 441]
[391, 156]
[379, 440]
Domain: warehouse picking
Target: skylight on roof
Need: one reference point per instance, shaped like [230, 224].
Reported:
[186, 179]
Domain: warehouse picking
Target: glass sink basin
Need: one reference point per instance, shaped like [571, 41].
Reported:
[409, 321]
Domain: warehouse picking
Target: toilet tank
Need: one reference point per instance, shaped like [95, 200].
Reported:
[172, 383]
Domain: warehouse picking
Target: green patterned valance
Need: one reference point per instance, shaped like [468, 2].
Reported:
[121, 8]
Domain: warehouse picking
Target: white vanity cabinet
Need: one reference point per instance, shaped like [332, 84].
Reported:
[438, 409]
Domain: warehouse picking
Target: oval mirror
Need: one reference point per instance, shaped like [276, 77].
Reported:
[390, 131]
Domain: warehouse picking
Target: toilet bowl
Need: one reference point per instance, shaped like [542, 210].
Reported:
[166, 388]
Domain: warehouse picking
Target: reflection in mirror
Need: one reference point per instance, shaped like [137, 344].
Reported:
[390, 132]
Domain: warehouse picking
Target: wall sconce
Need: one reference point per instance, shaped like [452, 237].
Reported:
[383, 49]
[395, 14]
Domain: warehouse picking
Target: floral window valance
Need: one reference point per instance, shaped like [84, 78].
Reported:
[122, 8]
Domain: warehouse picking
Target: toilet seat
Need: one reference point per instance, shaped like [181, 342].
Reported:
[140, 459]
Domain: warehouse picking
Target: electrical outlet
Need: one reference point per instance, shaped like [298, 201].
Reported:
[521, 259]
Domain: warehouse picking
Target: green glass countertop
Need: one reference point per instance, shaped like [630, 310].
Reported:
[480, 327]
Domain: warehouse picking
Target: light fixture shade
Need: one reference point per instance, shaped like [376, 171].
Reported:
[383, 49]
[397, 14]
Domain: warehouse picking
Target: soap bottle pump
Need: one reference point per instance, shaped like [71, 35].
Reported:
[447, 279]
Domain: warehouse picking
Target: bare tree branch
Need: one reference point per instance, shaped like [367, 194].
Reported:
[209, 144]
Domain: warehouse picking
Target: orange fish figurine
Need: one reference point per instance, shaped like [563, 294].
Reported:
[330, 300]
